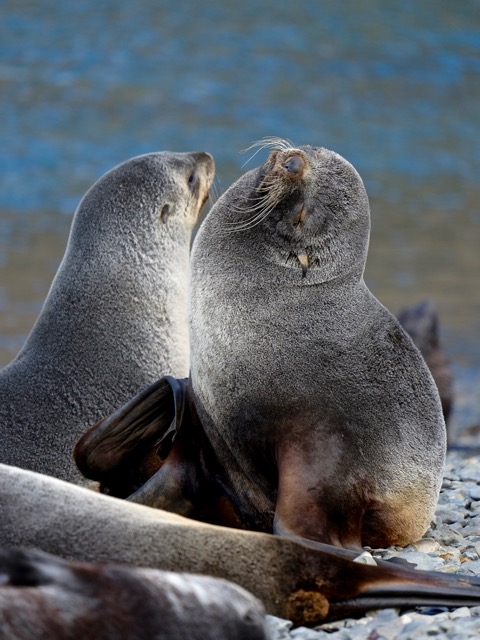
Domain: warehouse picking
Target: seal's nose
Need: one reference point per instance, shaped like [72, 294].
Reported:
[204, 159]
[294, 165]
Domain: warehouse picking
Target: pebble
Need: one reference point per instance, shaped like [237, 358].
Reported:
[451, 545]
[426, 545]
[475, 493]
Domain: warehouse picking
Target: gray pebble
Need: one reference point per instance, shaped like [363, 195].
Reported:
[475, 492]
[302, 633]
[462, 612]
[427, 546]
[448, 515]
[423, 561]
[471, 567]
[470, 474]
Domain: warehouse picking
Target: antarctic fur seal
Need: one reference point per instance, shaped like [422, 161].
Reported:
[309, 411]
[306, 582]
[61, 599]
[323, 416]
[115, 316]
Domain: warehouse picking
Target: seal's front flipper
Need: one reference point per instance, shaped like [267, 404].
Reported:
[176, 485]
[125, 449]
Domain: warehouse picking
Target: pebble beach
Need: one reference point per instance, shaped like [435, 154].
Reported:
[451, 545]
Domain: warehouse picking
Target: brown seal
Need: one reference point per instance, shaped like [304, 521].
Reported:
[115, 318]
[60, 600]
[317, 415]
[305, 582]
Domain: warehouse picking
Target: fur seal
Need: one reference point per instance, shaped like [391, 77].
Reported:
[322, 413]
[61, 600]
[115, 317]
[322, 416]
[305, 582]
[421, 323]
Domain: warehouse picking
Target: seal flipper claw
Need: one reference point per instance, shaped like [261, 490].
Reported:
[125, 449]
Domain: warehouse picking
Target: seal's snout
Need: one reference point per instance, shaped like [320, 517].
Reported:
[204, 159]
[294, 165]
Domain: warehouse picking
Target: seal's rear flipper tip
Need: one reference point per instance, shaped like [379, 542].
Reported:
[397, 586]
[351, 588]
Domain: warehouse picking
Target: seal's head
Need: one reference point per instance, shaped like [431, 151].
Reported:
[164, 192]
[308, 206]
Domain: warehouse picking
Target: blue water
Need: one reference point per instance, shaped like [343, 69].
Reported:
[393, 86]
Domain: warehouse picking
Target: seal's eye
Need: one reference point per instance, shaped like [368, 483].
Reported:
[191, 181]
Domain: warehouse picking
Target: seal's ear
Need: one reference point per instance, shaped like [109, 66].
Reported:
[125, 449]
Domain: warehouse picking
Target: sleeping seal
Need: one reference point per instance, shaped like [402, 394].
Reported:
[115, 316]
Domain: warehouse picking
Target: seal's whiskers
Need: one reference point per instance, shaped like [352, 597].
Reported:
[269, 142]
[270, 193]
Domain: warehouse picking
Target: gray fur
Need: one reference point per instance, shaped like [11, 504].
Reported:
[305, 363]
[115, 317]
[73, 522]
[42, 596]
[301, 582]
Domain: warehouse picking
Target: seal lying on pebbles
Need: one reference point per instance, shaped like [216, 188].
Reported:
[58, 599]
[115, 318]
[304, 582]
[318, 415]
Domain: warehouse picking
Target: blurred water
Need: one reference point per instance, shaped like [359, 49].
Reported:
[394, 87]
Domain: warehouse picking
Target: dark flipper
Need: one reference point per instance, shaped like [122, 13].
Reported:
[330, 585]
[187, 483]
[153, 451]
[388, 586]
[125, 449]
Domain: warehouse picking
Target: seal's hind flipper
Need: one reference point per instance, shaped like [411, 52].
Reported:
[393, 585]
[125, 449]
[331, 583]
